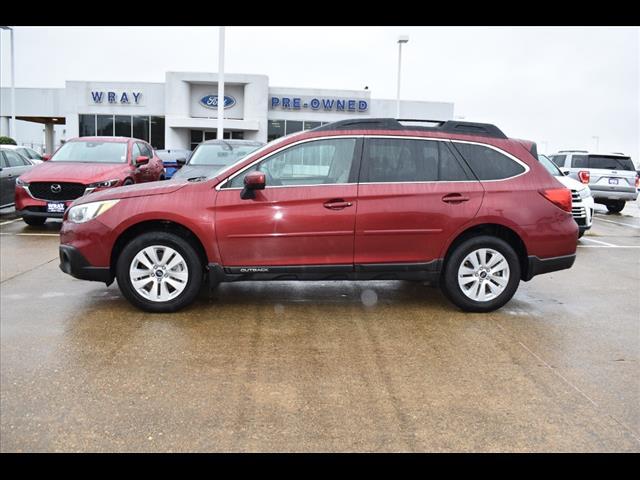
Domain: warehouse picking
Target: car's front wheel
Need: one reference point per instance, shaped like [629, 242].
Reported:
[481, 274]
[159, 272]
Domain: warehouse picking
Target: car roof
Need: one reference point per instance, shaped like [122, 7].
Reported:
[586, 152]
[232, 141]
[104, 139]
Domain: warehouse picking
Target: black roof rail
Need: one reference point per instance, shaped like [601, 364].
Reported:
[448, 126]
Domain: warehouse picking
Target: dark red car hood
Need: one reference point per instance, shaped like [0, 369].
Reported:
[76, 172]
[138, 190]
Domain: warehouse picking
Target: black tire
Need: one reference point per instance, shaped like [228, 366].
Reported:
[616, 207]
[184, 248]
[450, 285]
[581, 233]
[34, 221]
[128, 181]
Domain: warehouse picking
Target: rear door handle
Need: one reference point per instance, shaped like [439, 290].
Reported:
[337, 204]
[455, 198]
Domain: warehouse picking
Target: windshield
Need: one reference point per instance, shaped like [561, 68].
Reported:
[550, 166]
[92, 152]
[221, 155]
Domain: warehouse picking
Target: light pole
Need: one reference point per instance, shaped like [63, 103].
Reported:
[597, 139]
[401, 39]
[220, 83]
[12, 126]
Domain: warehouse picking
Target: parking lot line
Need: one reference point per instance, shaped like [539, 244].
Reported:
[618, 223]
[600, 242]
[9, 221]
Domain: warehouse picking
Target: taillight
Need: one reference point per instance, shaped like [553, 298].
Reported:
[560, 197]
[584, 176]
[637, 181]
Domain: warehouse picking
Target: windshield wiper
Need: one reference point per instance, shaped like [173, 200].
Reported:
[196, 179]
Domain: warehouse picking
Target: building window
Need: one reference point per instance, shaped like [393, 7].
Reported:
[123, 125]
[293, 126]
[157, 132]
[280, 128]
[199, 136]
[149, 129]
[104, 125]
[275, 130]
[141, 128]
[87, 125]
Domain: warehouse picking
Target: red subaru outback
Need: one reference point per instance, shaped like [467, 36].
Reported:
[456, 203]
[83, 165]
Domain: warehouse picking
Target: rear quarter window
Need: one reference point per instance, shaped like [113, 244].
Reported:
[487, 163]
[579, 161]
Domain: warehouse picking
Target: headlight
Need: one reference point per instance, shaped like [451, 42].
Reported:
[585, 192]
[89, 211]
[21, 183]
[104, 184]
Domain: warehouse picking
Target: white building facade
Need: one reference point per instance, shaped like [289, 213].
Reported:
[182, 112]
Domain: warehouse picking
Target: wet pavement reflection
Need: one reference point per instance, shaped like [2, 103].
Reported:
[321, 366]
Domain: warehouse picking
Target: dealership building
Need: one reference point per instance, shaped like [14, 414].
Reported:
[182, 111]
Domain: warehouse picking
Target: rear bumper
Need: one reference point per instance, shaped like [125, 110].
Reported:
[73, 263]
[628, 194]
[538, 266]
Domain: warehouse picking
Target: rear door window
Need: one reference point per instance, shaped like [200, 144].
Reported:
[487, 163]
[610, 163]
[407, 160]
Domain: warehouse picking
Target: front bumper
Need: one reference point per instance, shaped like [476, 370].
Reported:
[73, 263]
[38, 212]
[538, 266]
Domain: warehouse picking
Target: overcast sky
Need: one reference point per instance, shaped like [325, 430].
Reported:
[557, 86]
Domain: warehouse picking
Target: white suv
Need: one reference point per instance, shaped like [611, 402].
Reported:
[612, 177]
[582, 203]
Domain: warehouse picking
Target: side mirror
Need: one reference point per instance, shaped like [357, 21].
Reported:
[181, 162]
[253, 181]
[46, 157]
[565, 172]
[142, 160]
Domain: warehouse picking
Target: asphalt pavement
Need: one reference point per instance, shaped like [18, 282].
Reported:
[322, 366]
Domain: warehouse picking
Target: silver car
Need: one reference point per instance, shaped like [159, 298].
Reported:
[12, 165]
[612, 177]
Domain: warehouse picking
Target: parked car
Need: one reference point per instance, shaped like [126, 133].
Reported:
[173, 160]
[457, 203]
[581, 199]
[81, 166]
[26, 152]
[212, 156]
[612, 177]
[12, 165]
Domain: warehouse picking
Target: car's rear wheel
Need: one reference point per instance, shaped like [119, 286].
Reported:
[616, 206]
[159, 272]
[481, 274]
[34, 221]
[128, 181]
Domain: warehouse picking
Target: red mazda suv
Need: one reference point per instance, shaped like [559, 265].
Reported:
[80, 166]
[455, 203]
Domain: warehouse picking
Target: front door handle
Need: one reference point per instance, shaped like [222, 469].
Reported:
[337, 204]
[455, 198]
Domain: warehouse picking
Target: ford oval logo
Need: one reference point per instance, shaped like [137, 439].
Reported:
[211, 101]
